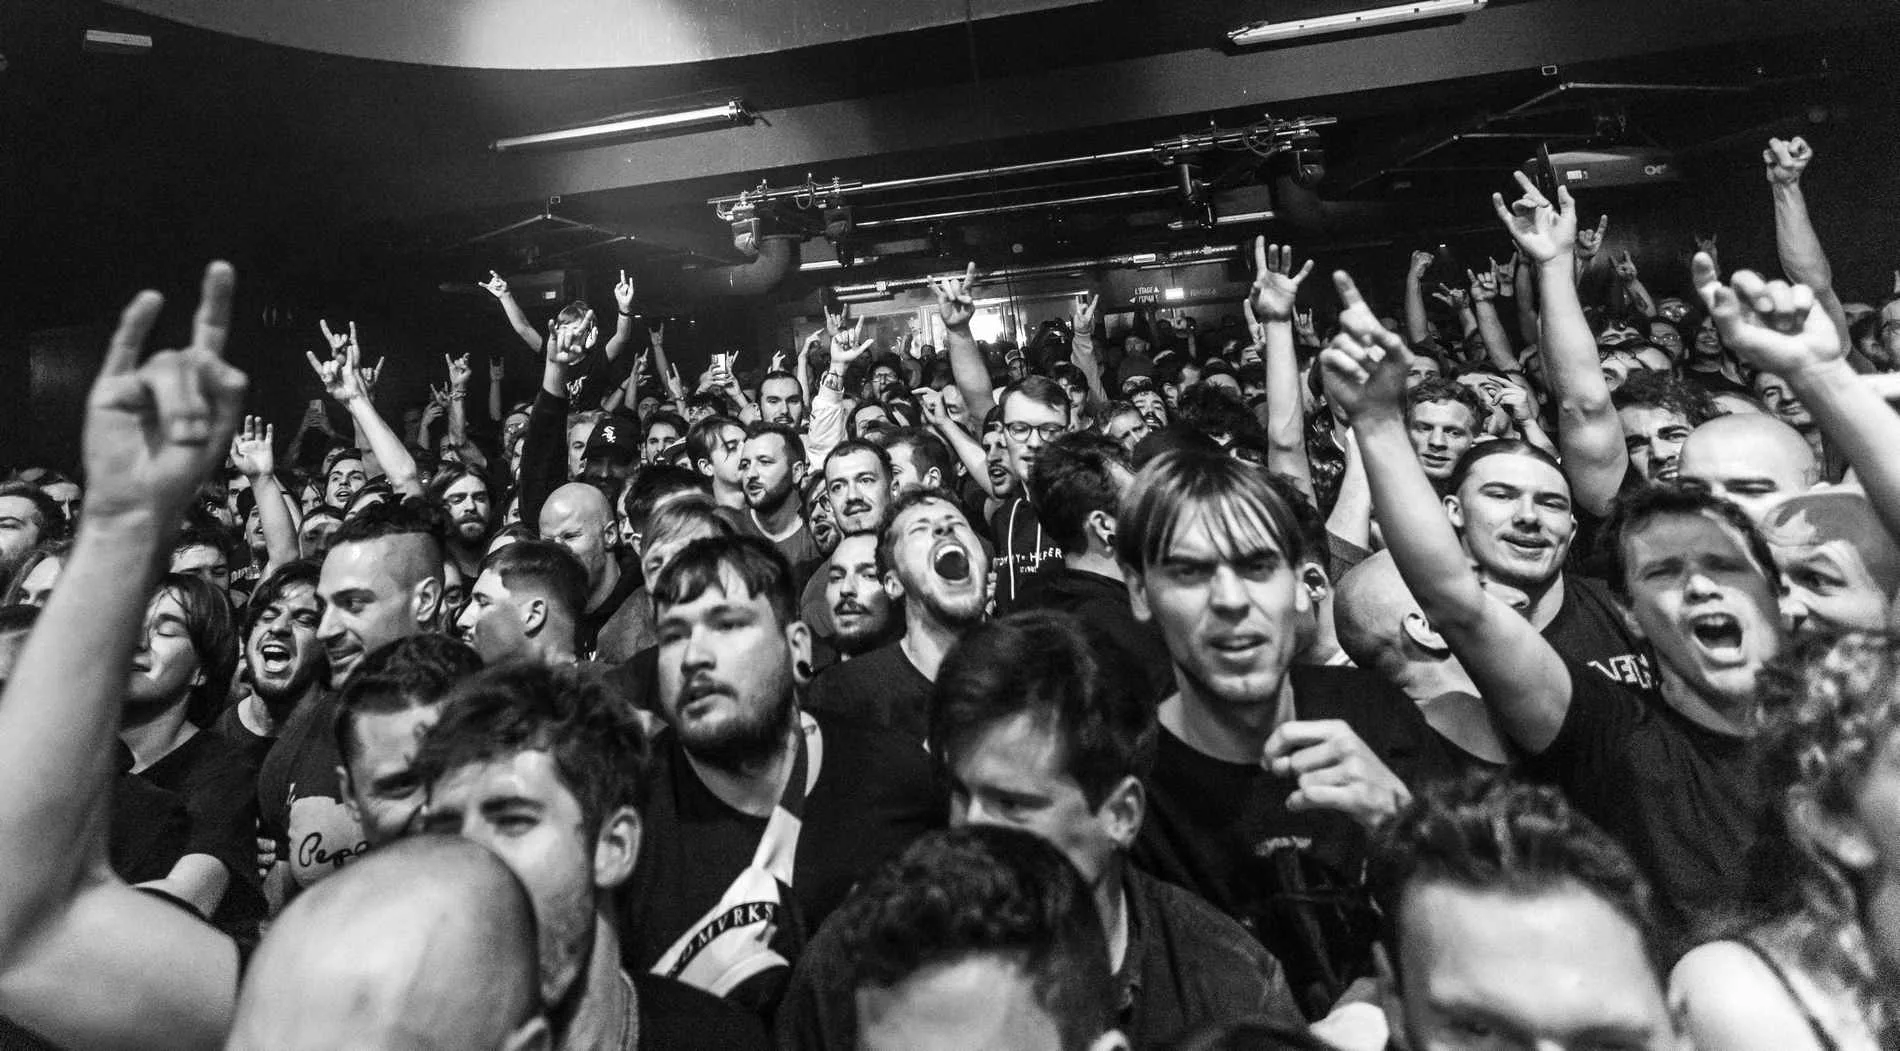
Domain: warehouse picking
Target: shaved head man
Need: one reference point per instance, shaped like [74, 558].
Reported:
[1382, 629]
[579, 518]
[427, 944]
[1752, 459]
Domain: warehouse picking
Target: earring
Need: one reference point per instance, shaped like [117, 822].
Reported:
[803, 669]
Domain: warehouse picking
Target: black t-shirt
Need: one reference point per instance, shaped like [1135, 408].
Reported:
[301, 798]
[1296, 880]
[230, 726]
[1588, 631]
[150, 829]
[589, 382]
[218, 785]
[1103, 602]
[674, 1014]
[882, 688]
[1024, 553]
[874, 794]
[1679, 798]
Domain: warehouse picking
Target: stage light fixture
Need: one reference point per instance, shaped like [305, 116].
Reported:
[1352, 21]
[724, 115]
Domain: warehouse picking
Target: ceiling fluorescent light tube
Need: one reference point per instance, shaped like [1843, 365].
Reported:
[1351, 21]
[723, 115]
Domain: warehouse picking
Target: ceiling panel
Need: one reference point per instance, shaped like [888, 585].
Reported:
[570, 34]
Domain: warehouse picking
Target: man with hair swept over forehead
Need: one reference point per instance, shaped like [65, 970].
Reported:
[1270, 774]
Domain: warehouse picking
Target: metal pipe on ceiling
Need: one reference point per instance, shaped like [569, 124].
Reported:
[1524, 109]
[1024, 206]
[1681, 89]
[1146, 260]
[812, 189]
[1298, 129]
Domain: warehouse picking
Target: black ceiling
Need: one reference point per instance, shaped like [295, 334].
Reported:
[214, 145]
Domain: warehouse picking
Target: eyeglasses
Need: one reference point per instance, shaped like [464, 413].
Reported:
[1020, 431]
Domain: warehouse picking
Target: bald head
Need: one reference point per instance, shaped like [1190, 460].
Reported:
[577, 500]
[579, 518]
[1752, 459]
[1383, 629]
[1368, 604]
[425, 944]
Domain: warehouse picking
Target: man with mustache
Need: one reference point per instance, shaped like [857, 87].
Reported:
[468, 500]
[931, 560]
[859, 483]
[862, 616]
[761, 816]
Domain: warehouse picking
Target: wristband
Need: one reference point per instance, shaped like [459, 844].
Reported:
[623, 313]
[832, 380]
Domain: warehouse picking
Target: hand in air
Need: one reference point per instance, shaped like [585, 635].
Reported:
[1544, 232]
[1786, 160]
[155, 430]
[1275, 285]
[954, 298]
[1773, 325]
[251, 449]
[1364, 368]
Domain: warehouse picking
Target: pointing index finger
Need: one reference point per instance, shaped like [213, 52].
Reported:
[1348, 292]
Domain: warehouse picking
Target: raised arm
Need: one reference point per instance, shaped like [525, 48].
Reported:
[955, 305]
[826, 429]
[497, 286]
[1082, 351]
[1630, 285]
[968, 450]
[459, 374]
[254, 454]
[348, 382]
[1795, 240]
[1520, 676]
[1588, 431]
[86, 961]
[1418, 328]
[496, 370]
[1521, 285]
[670, 376]
[623, 318]
[1275, 287]
[543, 443]
[1484, 305]
[1778, 328]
